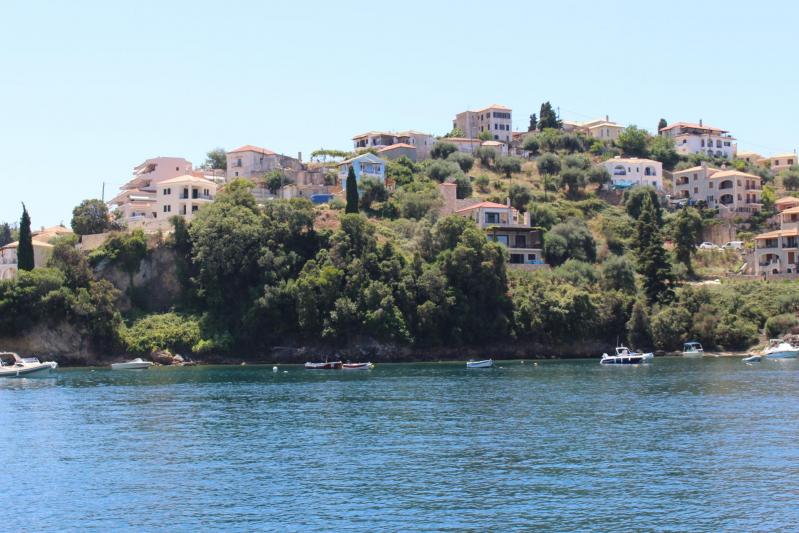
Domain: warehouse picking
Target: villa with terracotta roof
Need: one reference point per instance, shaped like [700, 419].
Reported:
[495, 119]
[690, 138]
[420, 143]
[628, 172]
[777, 252]
[42, 250]
[786, 202]
[733, 192]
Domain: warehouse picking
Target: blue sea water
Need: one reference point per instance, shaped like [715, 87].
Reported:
[681, 445]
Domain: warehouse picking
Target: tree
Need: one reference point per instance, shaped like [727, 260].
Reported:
[25, 259]
[508, 165]
[456, 132]
[639, 333]
[519, 196]
[352, 192]
[548, 164]
[530, 144]
[569, 240]
[482, 183]
[548, 118]
[634, 201]
[484, 135]
[442, 150]
[633, 142]
[686, 234]
[790, 178]
[598, 174]
[618, 274]
[661, 148]
[90, 217]
[463, 187]
[465, 161]
[372, 191]
[543, 215]
[276, 179]
[216, 159]
[5, 234]
[485, 154]
[662, 124]
[573, 179]
[443, 170]
[653, 265]
[533, 123]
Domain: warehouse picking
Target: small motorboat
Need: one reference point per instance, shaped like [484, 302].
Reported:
[135, 364]
[780, 349]
[752, 359]
[485, 363]
[692, 349]
[327, 365]
[624, 356]
[357, 366]
[24, 367]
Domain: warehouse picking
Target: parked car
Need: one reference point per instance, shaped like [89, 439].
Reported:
[708, 246]
[734, 245]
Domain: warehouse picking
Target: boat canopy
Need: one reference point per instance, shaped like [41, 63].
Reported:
[17, 358]
[692, 344]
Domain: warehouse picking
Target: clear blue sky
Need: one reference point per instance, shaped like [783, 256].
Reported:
[90, 89]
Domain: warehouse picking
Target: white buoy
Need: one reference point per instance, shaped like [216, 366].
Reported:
[274, 369]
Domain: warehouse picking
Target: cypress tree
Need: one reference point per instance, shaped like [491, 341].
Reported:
[5, 234]
[533, 123]
[352, 192]
[25, 247]
[662, 124]
[653, 265]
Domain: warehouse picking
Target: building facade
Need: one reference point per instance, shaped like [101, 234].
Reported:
[731, 191]
[421, 143]
[252, 162]
[778, 163]
[42, 250]
[632, 171]
[366, 166]
[495, 119]
[692, 138]
[777, 252]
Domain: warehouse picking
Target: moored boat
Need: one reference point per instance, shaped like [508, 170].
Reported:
[357, 366]
[752, 359]
[327, 365]
[692, 349]
[780, 349]
[134, 364]
[624, 356]
[24, 366]
[485, 363]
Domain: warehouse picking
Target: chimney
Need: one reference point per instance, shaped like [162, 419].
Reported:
[700, 121]
[450, 193]
[704, 165]
[507, 201]
[299, 156]
[607, 118]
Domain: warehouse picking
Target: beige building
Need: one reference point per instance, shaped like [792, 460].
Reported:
[495, 119]
[137, 197]
[602, 129]
[780, 162]
[751, 158]
[253, 162]
[420, 143]
[733, 192]
[42, 250]
[181, 195]
[777, 252]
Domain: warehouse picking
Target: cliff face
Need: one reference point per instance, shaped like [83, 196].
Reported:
[156, 286]
[54, 342]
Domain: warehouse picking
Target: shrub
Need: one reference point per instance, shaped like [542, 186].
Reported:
[482, 182]
[465, 161]
[168, 331]
[442, 150]
[778, 325]
[442, 170]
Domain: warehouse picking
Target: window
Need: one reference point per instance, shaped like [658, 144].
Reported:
[167, 192]
[237, 173]
[501, 239]
[694, 177]
[727, 143]
[710, 185]
[177, 169]
[703, 143]
[696, 190]
[496, 137]
[167, 209]
[718, 143]
[531, 258]
[492, 218]
[194, 208]
[520, 242]
[516, 259]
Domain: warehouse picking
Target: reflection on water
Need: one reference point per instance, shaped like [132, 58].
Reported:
[566, 445]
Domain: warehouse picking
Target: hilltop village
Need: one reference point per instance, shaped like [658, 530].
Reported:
[554, 239]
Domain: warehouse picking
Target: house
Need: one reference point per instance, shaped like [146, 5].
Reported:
[751, 158]
[731, 191]
[495, 119]
[602, 129]
[421, 143]
[42, 250]
[786, 202]
[365, 166]
[252, 162]
[183, 195]
[395, 151]
[692, 138]
[780, 162]
[777, 252]
[137, 197]
[630, 171]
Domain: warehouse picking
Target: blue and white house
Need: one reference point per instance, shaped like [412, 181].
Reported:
[366, 166]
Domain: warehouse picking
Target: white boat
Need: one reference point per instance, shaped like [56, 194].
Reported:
[357, 366]
[331, 365]
[780, 349]
[485, 363]
[24, 367]
[135, 364]
[624, 356]
[752, 359]
[692, 349]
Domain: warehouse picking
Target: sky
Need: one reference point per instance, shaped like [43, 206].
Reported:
[89, 89]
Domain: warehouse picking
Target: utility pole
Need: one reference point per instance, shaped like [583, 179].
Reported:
[102, 196]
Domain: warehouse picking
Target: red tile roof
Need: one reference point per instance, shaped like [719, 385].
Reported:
[692, 125]
[251, 148]
[492, 205]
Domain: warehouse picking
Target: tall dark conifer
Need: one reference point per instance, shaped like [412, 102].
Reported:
[653, 264]
[25, 248]
[352, 192]
[5, 234]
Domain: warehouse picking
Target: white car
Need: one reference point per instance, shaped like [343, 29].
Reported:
[734, 245]
[708, 246]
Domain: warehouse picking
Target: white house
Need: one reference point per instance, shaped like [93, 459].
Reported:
[136, 198]
[631, 171]
[692, 138]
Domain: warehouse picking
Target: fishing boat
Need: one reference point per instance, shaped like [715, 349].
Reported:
[24, 366]
[327, 365]
[485, 363]
[134, 364]
[357, 366]
[780, 349]
[624, 356]
[692, 349]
